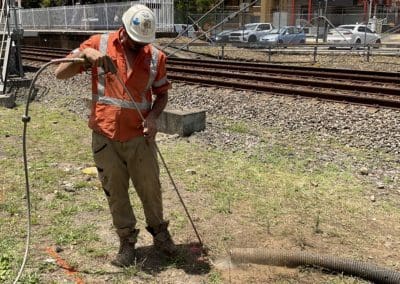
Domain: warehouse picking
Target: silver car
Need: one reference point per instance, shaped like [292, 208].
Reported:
[289, 35]
[352, 35]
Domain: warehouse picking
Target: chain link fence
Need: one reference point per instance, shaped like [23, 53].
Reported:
[105, 16]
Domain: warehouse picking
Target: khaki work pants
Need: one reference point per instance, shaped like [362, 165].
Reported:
[116, 163]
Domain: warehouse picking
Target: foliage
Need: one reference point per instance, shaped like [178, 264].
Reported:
[52, 3]
[5, 269]
[30, 4]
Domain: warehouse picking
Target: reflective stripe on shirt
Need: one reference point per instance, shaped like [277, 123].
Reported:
[100, 96]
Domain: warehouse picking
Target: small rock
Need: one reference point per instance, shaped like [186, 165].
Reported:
[380, 186]
[59, 249]
[69, 189]
[190, 171]
[49, 260]
[372, 198]
[364, 171]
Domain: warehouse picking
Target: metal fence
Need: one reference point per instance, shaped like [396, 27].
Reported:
[105, 16]
[383, 22]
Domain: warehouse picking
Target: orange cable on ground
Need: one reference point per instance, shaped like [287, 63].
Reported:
[69, 270]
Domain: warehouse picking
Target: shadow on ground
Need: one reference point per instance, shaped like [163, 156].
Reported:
[190, 258]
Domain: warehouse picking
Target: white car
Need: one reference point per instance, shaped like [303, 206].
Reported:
[352, 35]
[250, 32]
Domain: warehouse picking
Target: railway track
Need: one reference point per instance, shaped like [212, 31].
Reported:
[345, 85]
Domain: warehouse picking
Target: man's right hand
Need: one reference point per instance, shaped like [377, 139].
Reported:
[94, 57]
[98, 59]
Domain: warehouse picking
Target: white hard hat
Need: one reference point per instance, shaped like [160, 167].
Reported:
[140, 24]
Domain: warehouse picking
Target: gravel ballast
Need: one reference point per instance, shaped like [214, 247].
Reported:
[376, 130]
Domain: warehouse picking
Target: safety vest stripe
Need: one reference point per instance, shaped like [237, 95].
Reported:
[100, 96]
[102, 49]
[122, 103]
[160, 82]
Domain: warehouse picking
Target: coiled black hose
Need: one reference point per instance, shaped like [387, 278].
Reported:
[361, 269]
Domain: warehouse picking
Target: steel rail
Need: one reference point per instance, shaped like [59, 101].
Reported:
[347, 74]
[326, 95]
[288, 80]
[290, 67]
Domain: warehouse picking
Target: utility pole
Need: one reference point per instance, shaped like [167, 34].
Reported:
[325, 23]
[318, 18]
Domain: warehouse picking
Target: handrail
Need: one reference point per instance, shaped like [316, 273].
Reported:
[3, 16]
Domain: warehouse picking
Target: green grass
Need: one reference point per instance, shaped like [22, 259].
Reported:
[5, 267]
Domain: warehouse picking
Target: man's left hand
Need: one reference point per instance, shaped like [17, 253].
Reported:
[150, 128]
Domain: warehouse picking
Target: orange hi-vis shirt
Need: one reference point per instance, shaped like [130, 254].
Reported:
[113, 113]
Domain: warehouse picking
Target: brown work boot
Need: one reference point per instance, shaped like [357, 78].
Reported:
[162, 239]
[126, 254]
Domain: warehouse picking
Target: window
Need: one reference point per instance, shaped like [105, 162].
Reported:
[263, 27]
[290, 31]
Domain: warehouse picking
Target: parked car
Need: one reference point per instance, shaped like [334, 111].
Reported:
[221, 37]
[288, 35]
[352, 35]
[250, 32]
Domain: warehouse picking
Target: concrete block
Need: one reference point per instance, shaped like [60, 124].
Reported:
[7, 100]
[182, 122]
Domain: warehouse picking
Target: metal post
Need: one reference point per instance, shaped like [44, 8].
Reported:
[269, 53]
[48, 18]
[222, 52]
[279, 16]
[325, 23]
[319, 14]
[33, 19]
[366, 25]
[17, 40]
[368, 51]
[187, 16]
[85, 17]
[65, 17]
[315, 54]
[106, 16]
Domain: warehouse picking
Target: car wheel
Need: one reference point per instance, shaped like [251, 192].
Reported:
[377, 43]
[252, 38]
[357, 44]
